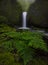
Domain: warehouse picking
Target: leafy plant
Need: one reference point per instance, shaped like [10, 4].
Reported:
[25, 42]
[6, 59]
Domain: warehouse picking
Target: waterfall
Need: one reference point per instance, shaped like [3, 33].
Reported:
[24, 15]
[25, 5]
[24, 19]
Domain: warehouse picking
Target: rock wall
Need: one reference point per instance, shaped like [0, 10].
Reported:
[38, 14]
[12, 11]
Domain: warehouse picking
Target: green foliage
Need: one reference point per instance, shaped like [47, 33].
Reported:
[11, 10]
[38, 61]
[6, 59]
[5, 41]
[3, 19]
[5, 28]
[26, 43]
[33, 39]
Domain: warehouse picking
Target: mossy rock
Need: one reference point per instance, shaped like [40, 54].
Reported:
[38, 14]
[12, 11]
[6, 59]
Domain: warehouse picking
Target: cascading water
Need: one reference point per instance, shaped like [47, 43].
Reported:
[24, 14]
[24, 19]
[25, 5]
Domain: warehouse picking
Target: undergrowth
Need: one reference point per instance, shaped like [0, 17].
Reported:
[25, 43]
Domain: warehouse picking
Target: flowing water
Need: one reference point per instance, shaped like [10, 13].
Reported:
[24, 14]
[25, 5]
[24, 19]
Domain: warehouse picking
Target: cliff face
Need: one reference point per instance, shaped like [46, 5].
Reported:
[38, 14]
[12, 10]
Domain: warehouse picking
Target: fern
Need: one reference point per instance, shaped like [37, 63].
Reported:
[24, 42]
[27, 44]
[24, 51]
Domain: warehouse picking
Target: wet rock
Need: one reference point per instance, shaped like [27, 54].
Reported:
[38, 14]
[12, 11]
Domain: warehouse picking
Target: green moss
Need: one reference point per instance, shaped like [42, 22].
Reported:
[12, 11]
[6, 28]
[3, 19]
[6, 59]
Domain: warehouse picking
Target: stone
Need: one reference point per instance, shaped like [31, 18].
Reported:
[38, 14]
[12, 10]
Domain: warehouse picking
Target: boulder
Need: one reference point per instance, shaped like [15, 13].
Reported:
[12, 11]
[38, 14]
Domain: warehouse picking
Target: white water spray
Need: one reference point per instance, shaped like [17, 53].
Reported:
[25, 5]
[24, 19]
[24, 14]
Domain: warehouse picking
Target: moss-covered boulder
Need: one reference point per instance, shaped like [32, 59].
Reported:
[38, 14]
[12, 11]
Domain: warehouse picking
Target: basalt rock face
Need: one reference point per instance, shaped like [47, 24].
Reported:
[38, 14]
[11, 11]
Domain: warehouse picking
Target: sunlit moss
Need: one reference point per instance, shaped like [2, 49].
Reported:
[25, 4]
